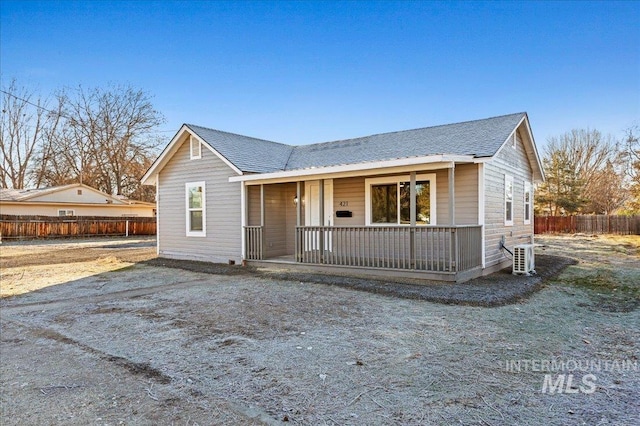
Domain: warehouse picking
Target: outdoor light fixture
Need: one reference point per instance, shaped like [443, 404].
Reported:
[295, 200]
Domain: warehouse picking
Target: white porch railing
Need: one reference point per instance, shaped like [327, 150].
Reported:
[447, 249]
[254, 247]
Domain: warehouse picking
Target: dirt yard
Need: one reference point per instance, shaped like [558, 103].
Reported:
[96, 332]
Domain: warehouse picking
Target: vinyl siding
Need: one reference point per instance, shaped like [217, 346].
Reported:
[466, 189]
[442, 197]
[512, 162]
[223, 223]
[280, 219]
[253, 211]
[350, 191]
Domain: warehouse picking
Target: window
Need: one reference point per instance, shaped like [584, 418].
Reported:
[196, 209]
[195, 148]
[66, 212]
[79, 192]
[388, 200]
[527, 203]
[508, 200]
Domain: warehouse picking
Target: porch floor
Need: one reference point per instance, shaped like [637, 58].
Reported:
[376, 273]
[287, 258]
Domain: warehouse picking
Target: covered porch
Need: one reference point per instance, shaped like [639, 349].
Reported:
[422, 222]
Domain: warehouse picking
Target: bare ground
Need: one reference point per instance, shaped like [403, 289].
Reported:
[96, 332]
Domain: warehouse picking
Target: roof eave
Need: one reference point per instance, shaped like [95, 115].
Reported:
[150, 177]
[354, 167]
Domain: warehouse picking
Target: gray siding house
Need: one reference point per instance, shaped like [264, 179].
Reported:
[436, 202]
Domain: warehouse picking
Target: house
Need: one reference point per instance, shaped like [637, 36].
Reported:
[70, 200]
[437, 202]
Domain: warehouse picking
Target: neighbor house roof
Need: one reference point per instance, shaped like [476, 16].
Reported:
[474, 139]
[28, 195]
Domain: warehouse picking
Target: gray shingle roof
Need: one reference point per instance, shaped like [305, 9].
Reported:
[246, 153]
[478, 138]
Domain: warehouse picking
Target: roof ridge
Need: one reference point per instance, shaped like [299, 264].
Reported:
[409, 130]
[237, 134]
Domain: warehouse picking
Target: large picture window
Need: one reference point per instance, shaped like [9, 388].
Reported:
[196, 209]
[388, 200]
[508, 200]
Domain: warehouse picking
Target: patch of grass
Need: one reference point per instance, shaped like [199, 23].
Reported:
[607, 289]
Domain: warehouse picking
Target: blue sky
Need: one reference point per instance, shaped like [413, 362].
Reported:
[302, 72]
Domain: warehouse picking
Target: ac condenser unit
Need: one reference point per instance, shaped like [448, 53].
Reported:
[523, 259]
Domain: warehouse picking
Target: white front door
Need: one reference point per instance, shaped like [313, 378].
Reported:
[312, 210]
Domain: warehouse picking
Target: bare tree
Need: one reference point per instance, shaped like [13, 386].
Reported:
[25, 123]
[630, 161]
[606, 192]
[107, 140]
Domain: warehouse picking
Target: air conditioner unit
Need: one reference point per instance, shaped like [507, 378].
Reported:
[523, 259]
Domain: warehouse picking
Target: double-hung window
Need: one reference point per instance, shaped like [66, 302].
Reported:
[195, 200]
[388, 200]
[508, 200]
[527, 203]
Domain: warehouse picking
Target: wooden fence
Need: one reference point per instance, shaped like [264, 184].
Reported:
[29, 227]
[587, 224]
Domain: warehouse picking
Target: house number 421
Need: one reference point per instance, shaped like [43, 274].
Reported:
[344, 204]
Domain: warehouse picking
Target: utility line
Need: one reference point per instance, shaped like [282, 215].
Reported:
[59, 114]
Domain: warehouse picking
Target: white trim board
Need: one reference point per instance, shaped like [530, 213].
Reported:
[404, 165]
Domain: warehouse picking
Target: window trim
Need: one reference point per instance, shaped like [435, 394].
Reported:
[397, 179]
[508, 180]
[192, 143]
[527, 205]
[189, 232]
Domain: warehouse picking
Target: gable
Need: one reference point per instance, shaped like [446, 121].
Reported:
[247, 154]
[522, 133]
[179, 139]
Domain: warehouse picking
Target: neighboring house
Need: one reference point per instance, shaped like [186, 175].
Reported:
[70, 200]
[435, 202]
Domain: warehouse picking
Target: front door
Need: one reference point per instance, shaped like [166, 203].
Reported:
[312, 211]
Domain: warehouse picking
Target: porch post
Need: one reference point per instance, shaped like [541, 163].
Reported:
[453, 248]
[412, 219]
[262, 240]
[321, 218]
[243, 219]
[298, 204]
[452, 194]
[297, 245]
